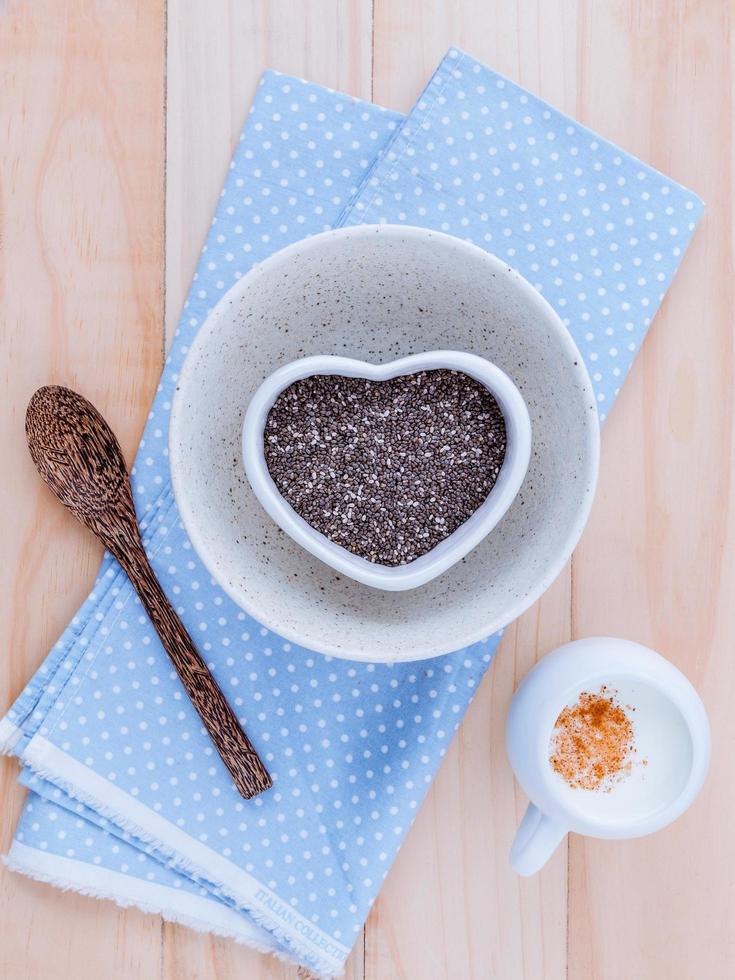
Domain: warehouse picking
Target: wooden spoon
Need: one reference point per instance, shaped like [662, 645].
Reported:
[78, 456]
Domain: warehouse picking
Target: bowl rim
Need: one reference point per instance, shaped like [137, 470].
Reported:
[452, 548]
[495, 266]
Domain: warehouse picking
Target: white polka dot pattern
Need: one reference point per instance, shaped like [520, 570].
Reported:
[599, 233]
[52, 822]
[352, 748]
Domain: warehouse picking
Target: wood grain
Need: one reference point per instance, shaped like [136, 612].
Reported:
[656, 563]
[484, 921]
[216, 54]
[451, 905]
[81, 268]
[662, 906]
[78, 456]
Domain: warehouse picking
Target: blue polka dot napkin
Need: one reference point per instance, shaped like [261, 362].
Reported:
[127, 798]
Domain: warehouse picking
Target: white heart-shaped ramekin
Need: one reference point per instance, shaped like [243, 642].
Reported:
[456, 545]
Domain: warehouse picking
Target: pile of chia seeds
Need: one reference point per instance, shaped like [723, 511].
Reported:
[387, 469]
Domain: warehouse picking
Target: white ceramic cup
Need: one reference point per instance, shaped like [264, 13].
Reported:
[671, 734]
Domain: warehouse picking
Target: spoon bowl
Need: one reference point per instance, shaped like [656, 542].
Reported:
[80, 460]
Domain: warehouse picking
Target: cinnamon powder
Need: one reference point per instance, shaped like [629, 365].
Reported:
[593, 743]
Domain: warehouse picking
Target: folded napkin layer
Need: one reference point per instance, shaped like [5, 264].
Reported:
[127, 798]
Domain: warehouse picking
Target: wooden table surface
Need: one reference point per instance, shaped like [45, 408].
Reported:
[118, 118]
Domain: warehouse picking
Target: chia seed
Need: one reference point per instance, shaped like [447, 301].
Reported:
[387, 469]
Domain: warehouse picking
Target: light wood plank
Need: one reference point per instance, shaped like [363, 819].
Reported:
[411, 37]
[482, 920]
[188, 955]
[81, 179]
[656, 563]
[216, 54]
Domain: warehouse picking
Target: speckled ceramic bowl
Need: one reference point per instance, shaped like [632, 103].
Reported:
[378, 293]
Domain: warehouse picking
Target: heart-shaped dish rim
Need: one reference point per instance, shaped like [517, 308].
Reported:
[454, 547]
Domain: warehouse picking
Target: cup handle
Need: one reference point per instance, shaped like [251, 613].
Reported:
[536, 840]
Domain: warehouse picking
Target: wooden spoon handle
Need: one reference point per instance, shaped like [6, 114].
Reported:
[235, 749]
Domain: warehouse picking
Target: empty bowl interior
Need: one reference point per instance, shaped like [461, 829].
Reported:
[378, 294]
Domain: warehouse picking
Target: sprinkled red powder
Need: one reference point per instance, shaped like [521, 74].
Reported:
[593, 743]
